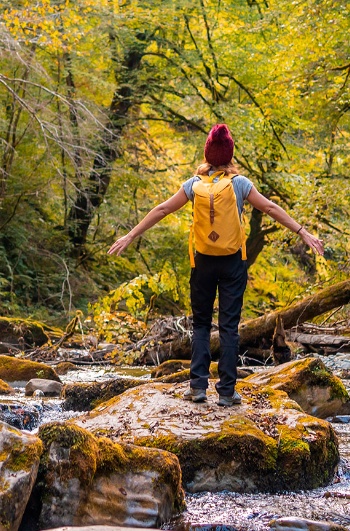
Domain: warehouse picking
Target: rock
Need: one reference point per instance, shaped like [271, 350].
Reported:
[18, 371]
[294, 523]
[98, 528]
[341, 419]
[20, 455]
[5, 388]
[309, 382]
[20, 416]
[89, 480]
[266, 444]
[47, 387]
[86, 396]
[64, 367]
[22, 333]
[170, 367]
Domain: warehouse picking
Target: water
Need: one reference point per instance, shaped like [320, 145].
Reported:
[244, 512]
[253, 512]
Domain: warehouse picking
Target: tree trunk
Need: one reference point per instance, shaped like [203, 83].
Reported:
[90, 197]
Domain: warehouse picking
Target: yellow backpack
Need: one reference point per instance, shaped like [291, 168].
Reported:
[216, 228]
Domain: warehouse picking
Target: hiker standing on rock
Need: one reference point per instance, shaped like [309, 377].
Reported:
[219, 264]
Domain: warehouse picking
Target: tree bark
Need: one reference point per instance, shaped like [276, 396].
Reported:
[90, 196]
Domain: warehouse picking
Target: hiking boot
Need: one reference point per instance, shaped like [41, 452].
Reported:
[196, 395]
[230, 400]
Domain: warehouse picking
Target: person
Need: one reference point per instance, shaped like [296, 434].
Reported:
[226, 275]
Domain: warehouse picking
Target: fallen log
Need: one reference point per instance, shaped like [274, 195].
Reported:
[255, 334]
[320, 340]
[258, 330]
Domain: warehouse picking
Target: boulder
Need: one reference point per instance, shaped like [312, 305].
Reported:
[294, 523]
[5, 388]
[97, 528]
[18, 371]
[87, 480]
[265, 444]
[309, 382]
[22, 333]
[65, 366]
[47, 387]
[19, 462]
[86, 396]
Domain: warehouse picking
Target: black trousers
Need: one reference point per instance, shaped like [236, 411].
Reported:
[228, 275]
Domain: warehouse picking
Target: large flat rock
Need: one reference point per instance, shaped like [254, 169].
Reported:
[267, 443]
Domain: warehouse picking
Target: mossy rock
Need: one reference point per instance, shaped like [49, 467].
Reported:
[5, 388]
[19, 370]
[265, 444]
[85, 479]
[23, 333]
[309, 382]
[86, 396]
[65, 366]
[19, 461]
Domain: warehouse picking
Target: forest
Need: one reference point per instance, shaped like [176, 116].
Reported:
[105, 107]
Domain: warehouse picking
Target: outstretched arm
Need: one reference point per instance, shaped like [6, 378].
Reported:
[159, 212]
[276, 212]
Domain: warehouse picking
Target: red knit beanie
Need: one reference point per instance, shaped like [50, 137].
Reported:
[218, 149]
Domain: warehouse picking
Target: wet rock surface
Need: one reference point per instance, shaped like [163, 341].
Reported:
[309, 382]
[18, 371]
[268, 443]
[20, 416]
[84, 480]
[47, 387]
[19, 462]
[292, 523]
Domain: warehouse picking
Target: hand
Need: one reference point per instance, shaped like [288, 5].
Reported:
[314, 243]
[121, 244]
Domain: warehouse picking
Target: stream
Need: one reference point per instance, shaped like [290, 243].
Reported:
[226, 511]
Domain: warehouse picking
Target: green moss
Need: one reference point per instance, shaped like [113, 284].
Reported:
[88, 455]
[306, 372]
[13, 369]
[5, 388]
[24, 456]
[87, 396]
[239, 440]
[82, 447]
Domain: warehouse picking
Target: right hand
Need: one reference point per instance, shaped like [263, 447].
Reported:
[120, 244]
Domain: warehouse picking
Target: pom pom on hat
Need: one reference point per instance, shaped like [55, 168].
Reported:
[218, 149]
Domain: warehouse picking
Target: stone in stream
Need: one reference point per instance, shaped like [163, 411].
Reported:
[294, 523]
[98, 528]
[6, 389]
[48, 387]
[18, 371]
[310, 383]
[20, 415]
[19, 462]
[85, 480]
[268, 443]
